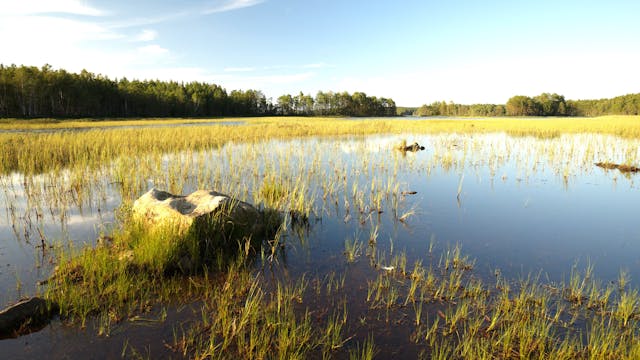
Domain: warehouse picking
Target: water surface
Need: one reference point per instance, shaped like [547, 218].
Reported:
[518, 205]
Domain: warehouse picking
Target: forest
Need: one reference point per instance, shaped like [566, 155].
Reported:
[545, 104]
[31, 92]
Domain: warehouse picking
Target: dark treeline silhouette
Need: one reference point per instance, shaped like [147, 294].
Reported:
[29, 92]
[545, 104]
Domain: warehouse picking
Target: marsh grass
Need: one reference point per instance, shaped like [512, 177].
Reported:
[143, 266]
[454, 313]
[353, 248]
[514, 319]
[240, 318]
[40, 152]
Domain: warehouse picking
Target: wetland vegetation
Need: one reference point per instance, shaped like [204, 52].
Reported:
[502, 239]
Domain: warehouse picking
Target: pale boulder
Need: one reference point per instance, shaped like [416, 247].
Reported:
[197, 210]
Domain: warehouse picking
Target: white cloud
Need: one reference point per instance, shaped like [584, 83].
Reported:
[146, 35]
[153, 49]
[26, 7]
[147, 20]
[36, 40]
[38, 32]
[73, 44]
[230, 5]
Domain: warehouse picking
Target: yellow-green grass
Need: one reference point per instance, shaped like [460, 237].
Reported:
[39, 152]
[475, 319]
[459, 316]
[52, 124]
[623, 125]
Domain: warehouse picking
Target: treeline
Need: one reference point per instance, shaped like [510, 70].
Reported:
[442, 108]
[330, 103]
[545, 104]
[29, 92]
[405, 110]
[542, 105]
[620, 105]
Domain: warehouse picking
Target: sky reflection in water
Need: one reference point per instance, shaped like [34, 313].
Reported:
[526, 205]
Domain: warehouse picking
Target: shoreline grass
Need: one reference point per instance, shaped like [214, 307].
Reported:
[40, 152]
[451, 312]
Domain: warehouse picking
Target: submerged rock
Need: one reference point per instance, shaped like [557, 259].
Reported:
[412, 148]
[206, 212]
[25, 316]
[622, 167]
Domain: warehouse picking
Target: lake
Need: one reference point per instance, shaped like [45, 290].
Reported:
[515, 205]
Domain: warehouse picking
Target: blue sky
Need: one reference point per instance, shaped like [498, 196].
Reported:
[415, 52]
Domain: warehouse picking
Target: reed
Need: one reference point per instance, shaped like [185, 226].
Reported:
[457, 315]
[352, 248]
[39, 152]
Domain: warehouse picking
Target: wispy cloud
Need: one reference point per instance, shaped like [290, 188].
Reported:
[229, 5]
[74, 35]
[146, 35]
[147, 20]
[29, 7]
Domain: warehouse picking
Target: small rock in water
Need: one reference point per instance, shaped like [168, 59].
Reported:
[25, 316]
[412, 148]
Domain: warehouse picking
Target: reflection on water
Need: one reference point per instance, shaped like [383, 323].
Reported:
[519, 205]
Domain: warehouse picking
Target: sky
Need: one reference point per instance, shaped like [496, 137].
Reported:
[415, 52]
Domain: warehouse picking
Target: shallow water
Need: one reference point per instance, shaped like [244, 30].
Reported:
[518, 205]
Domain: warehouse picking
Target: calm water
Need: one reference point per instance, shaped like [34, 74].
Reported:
[520, 205]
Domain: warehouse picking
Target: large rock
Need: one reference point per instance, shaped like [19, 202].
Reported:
[198, 211]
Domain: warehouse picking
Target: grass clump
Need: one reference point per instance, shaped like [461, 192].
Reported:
[143, 265]
[241, 319]
[459, 316]
[352, 248]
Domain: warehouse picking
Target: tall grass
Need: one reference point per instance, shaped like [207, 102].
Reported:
[137, 266]
[509, 319]
[39, 152]
[451, 312]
